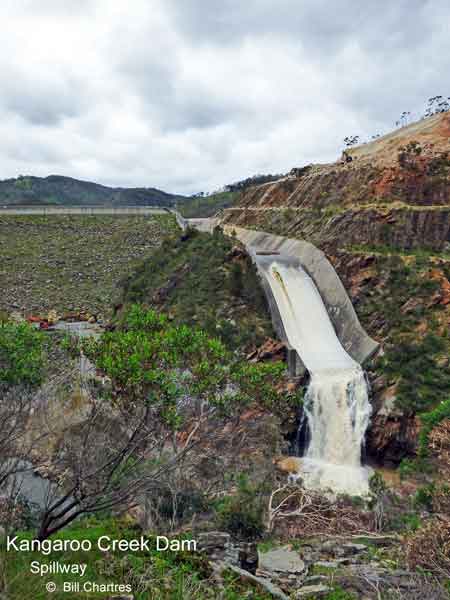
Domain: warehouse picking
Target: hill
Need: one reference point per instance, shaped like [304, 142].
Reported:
[56, 189]
[394, 192]
[204, 280]
[206, 206]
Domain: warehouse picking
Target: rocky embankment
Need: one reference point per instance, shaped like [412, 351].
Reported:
[71, 263]
[394, 192]
[318, 567]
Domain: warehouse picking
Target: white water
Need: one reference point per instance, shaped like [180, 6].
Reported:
[336, 402]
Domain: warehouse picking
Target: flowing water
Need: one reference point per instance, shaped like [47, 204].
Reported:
[81, 329]
[336, 403]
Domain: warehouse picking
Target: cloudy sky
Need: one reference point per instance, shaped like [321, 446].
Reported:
[188, 95]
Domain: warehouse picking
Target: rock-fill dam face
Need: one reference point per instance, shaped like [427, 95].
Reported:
[336, 403]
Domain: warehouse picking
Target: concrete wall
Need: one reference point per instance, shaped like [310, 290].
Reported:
[348, 328]
[206, 225]
[181, 221]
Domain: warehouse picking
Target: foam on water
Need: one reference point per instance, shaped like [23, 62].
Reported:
[336, 403]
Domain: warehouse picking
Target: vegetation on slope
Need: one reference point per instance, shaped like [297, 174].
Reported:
[204, 279]
[206, 206]
[144, 361]
[259, 179]
[402, 301]
[135, 431]
[144, 356]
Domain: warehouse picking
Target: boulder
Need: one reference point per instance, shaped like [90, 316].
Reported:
[386, 400]
[248, 556]
[261, 582]
[219, 546]
[313, 591]
[327, 564]
[213, 539]
[270, 350]
[352, 549]
[281, 561]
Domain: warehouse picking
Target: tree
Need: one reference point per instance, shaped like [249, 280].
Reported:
[437, 105]
[351, 140]
[170, 389]
[22, 361]
[408, 156]
[15, 411]
[97, 463]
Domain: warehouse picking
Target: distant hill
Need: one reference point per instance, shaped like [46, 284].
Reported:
[56, 189]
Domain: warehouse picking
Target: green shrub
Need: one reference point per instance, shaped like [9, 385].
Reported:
[439, 165]
[411, 467]
[412, 521]
[145, 356]
[429, 421]
[235, 280]
[422, 381]
[188, 503]
[21, 354]
[377, 485]
[242, 513]
[423, 498]
[408, 521]
[408, 155]
[339, 593]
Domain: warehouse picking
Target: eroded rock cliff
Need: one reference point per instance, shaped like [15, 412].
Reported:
[394, 192]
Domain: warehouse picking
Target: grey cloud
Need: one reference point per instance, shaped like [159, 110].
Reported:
[375, 52]
[43, 102]
[171, 100]
[188, 94]
[173, 106]
[318, 24]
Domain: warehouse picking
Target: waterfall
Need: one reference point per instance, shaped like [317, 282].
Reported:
[336, 402]
[338, 412]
